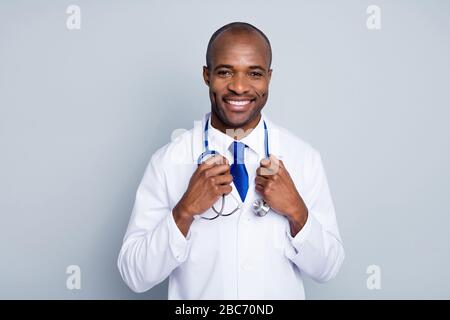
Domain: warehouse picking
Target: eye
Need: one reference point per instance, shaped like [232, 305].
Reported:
[224, 73]
[255, 74]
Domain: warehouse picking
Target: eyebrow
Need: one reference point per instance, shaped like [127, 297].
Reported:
[223, 66]
[231, 67]
[257, 67]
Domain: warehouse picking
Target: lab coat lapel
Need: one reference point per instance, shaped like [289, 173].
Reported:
[274, 137]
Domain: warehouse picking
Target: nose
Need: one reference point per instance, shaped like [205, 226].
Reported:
[239, 85]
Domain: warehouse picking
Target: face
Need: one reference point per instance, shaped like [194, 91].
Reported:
[238, 79]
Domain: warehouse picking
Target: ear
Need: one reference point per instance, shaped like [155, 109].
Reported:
[206, 75]
[269, 74]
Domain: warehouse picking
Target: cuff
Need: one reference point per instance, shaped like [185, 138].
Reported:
[300, 238]
[179, 245]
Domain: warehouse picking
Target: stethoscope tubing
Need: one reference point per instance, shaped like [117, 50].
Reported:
[259, 206]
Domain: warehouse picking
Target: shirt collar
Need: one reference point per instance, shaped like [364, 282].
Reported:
[254, 140]
[274, 139]
[219, 141]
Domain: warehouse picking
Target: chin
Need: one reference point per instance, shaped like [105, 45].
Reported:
[236, 119]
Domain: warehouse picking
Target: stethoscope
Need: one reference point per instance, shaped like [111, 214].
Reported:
[259, 206]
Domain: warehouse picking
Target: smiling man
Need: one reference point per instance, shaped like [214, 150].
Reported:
[238, 73]
[237, 207]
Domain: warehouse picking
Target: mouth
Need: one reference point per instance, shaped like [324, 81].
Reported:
[238, 105]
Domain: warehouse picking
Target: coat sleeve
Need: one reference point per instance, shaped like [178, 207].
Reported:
[317, 248]
[153, 245]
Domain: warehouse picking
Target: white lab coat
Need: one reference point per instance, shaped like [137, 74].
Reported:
[237, 257]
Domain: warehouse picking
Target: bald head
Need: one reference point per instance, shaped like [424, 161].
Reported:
[233, 33]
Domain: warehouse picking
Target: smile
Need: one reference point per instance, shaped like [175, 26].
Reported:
[239, 103]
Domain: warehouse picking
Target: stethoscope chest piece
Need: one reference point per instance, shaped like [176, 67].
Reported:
[260, 207]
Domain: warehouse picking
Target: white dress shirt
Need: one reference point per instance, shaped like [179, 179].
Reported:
[241, 256]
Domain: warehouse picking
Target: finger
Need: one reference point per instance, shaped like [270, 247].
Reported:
[261, 181]
[225, 189]
[223, 179]
[275, 161]
[205, 165]
[265, 162]
[267, 172]
[263, 172]
[215, 159]
[259, 188]
[217, 170]
[270, 167]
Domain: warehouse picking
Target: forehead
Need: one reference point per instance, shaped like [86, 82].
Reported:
[240, 49]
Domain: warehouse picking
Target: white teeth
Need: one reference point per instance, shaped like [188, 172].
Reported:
[238, 103]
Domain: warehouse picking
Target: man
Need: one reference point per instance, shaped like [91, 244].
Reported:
[193, 219]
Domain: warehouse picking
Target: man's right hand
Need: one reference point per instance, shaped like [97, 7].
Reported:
[209, 182]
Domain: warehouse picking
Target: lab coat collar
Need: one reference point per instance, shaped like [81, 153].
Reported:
[274, 137]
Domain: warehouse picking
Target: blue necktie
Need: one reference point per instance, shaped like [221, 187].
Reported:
[238, 170]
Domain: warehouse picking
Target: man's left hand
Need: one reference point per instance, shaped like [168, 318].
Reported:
[275, 185]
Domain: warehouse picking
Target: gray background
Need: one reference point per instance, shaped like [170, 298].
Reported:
[81, 113]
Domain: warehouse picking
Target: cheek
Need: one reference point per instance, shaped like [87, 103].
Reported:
[218, 86]
[262, 93]
[216, 91]
[262, 90]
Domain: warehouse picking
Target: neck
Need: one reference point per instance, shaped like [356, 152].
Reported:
[237, 133]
